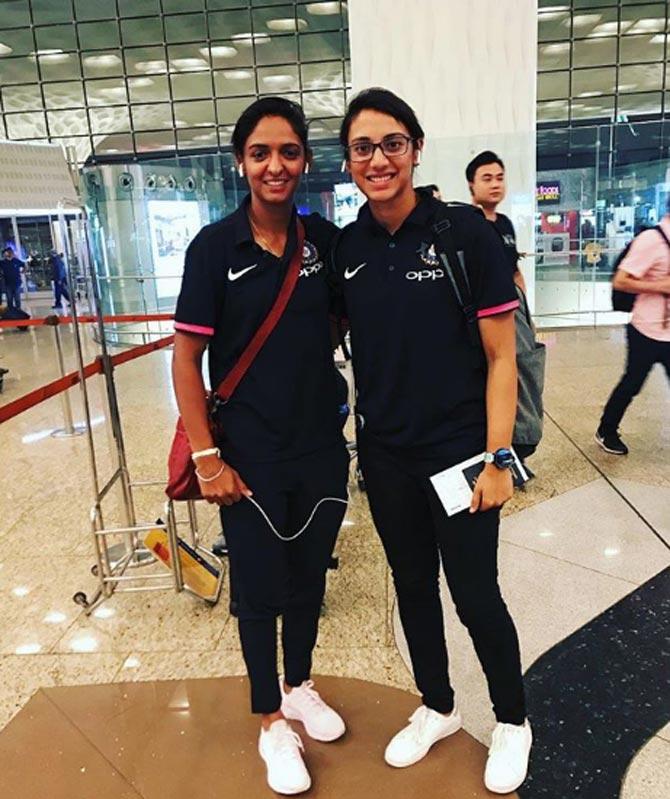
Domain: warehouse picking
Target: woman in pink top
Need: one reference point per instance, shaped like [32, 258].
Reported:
[645, 271]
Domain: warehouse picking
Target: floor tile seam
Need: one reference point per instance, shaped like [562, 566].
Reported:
[579, 565]
[124, 658]
[90, 742]
[610, 481]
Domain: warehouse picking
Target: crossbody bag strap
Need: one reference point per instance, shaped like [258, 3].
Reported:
[233, 378]
[458, 276]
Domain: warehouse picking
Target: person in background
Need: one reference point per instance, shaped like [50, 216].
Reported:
[59, 277]
[645, 271]
[486, 179]
[12, 269]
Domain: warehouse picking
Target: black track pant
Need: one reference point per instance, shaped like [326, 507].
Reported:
[416, 532]
[643, 353]
[274, 577]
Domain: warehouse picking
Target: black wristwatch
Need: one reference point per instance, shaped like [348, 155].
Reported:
[502, 458]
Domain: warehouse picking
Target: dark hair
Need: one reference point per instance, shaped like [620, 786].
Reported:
[385, 102]
[269, 107]
[7, 249]
[487, 157]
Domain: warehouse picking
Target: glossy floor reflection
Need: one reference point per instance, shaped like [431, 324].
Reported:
[571, 545]
[168, 740]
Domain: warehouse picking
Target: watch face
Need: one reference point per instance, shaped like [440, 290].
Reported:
[504, 458]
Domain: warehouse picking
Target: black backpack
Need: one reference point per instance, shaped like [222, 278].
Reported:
[624, 300]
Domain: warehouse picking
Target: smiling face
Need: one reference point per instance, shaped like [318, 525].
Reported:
[383, 178]
[273, 160]
[488, 186]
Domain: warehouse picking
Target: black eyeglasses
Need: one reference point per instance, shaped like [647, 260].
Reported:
[392, 146]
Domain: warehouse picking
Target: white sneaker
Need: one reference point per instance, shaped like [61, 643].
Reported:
[426, 727]
[304, 704]
[507, 764]
[280, 748]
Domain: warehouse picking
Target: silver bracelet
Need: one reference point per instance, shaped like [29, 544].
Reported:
[210, 479]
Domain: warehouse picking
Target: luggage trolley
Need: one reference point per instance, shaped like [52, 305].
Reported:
[119, 567]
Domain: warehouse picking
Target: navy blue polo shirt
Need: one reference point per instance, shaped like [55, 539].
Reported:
[505, 228]
[420, 382]
[287, 403]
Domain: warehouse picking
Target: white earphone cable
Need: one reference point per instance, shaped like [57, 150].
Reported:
[307, 523]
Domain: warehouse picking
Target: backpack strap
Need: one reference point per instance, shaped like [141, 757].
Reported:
[456, 271]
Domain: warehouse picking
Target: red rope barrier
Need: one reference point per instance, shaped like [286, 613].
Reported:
[66, 320]
[49, 390]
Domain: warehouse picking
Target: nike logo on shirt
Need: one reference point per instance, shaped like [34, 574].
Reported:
[234, 275]
[349, 273]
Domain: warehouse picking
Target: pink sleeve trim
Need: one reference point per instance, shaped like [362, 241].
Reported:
[496, 309]
[203, 331]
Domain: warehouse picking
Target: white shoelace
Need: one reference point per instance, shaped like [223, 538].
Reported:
[307, 693]
[286, 742]
[504, 736]
[419, 721]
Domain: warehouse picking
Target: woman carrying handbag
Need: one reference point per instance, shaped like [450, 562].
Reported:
[277, 466]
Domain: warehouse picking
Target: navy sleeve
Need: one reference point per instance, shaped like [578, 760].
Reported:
[200, 296]
[493, 289]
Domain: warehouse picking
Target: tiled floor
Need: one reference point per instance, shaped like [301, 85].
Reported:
[571, 546]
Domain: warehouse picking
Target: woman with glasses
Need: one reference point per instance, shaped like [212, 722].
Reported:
[280, 471]
[427, 399]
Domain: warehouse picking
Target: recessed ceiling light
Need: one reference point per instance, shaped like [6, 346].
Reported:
[589, 94]
[582, 20]
[109, 150]
[113, 91]
[237, 74]
[556, 48]
[105, 60]
[248, 39]
[219, 51]
[151, 66]
[323, 9]
[278, 80]
[189, 63]
[557, 13]
[658, 39]
[50, 56]
[286, 24]
[5, 49]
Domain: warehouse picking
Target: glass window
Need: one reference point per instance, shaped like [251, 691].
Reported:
[109, 145]
[191, 85]
[106, 92]
[322, 76]
[148, 89]
[47, 11]
[279, 19]
[229, 110]
[593, 80]
[179, 5]
[194, 114]
[649, 18]
[110, 120]
[59, 66]
[225, 54]
[22, 98]
[98, 35]
[553, 85]
[15, 13]
[64, 95]
[57, 37]
[138, 8]
[593, 52]
[553, 25]
[26, 126]
[101, 64]
[278, 79]
[19, 42]
[226, 24]
[636, 49]
[149, 142]
[323, 104]
[320, 46]
[324, 16]
[190, 138]
[554, 55]
[645, 77]
[552, 111]
[185, 28]
[187, 58]
[145, 60]
[94, 9]
[234, 82]
[64, 123]
[593, 107]
[647, 103]
[18, 70]
[152, 117]
[148, 31]
[596, 22]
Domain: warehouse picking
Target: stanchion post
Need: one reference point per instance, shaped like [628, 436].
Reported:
[70, 429]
